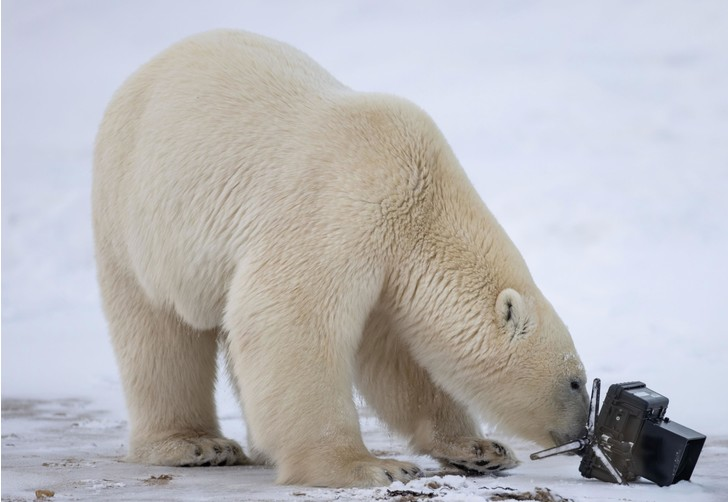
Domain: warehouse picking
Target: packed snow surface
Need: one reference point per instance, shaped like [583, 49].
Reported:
[595, 131]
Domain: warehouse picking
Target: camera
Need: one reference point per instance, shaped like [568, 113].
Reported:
[631, 438]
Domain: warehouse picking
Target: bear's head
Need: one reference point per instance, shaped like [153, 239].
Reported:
[539, 390]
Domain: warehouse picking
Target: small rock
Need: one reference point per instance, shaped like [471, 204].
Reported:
[162, 479]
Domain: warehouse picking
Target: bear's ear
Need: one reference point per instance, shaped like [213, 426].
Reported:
[511, 313]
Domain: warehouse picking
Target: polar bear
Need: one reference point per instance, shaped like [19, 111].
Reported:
[325, 240]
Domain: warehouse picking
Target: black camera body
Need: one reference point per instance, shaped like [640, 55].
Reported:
[631, 437]
[639, 440]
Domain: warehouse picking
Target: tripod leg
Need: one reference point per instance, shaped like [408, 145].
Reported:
[571, 447]
[608, 465]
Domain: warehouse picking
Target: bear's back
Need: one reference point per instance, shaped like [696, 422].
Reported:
[248, 70]
[220, 140]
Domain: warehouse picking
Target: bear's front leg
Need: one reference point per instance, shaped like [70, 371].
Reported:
[291, 348]
[403, 395]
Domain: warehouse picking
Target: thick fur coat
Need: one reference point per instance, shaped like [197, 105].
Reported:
[325, 239]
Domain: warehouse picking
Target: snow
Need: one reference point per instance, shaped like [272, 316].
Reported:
[595, 131]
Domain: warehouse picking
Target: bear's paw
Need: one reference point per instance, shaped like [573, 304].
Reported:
[360, 472]
[475, 456]
[382, 472]
[182, 450]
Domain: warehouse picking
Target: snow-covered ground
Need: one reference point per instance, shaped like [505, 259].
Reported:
[597, 132]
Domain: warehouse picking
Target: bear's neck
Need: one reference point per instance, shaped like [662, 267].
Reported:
[442, 294]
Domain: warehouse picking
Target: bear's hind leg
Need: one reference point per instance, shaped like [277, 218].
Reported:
[168, 374]
[403, 395]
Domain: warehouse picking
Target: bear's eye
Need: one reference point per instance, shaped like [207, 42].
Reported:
[575, 385]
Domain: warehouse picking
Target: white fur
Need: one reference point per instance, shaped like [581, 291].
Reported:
[327, 238]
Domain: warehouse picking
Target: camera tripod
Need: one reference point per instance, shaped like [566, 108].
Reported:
[589, 443]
